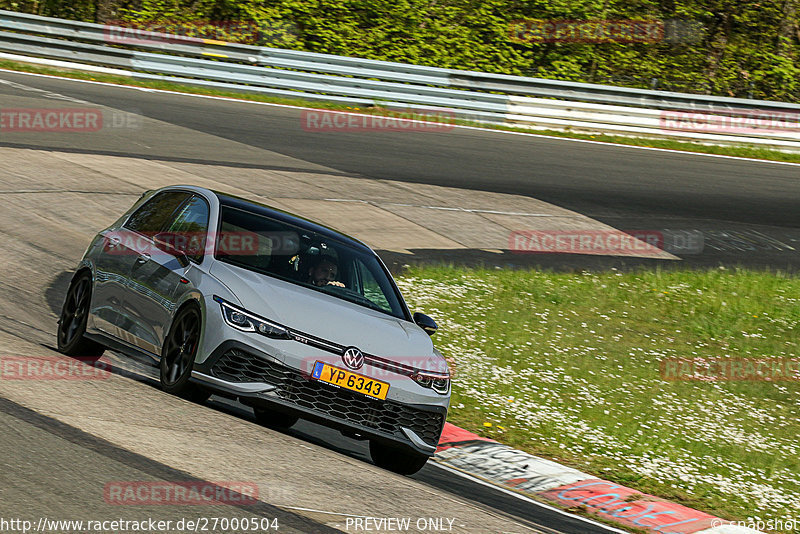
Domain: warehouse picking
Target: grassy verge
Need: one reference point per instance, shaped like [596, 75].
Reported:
[568, 366]
[742, 151]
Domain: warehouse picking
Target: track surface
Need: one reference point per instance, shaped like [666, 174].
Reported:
[626, 188]
[749, 212]
[84, 434]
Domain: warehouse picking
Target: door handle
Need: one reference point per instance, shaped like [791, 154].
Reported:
[143, 258]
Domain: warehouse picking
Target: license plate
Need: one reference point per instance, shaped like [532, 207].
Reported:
[352, 381]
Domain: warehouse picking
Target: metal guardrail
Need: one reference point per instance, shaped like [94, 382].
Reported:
[476, 96]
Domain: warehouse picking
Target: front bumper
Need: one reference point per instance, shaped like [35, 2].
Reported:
[260, 380]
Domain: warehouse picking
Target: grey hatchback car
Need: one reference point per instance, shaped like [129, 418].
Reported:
[231, 297]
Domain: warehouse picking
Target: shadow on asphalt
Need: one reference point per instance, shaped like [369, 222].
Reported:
[477, 258]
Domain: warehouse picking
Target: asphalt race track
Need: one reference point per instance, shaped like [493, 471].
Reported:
[746, 211]
[64, 441]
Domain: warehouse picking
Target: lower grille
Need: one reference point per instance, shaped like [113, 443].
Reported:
[239, 366]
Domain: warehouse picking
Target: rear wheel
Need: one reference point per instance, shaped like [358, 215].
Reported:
[72, 323]
[274, 419]
[177, 356]
[395, 459]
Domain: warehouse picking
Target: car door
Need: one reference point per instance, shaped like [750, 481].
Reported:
[157, 280]
[117, 251]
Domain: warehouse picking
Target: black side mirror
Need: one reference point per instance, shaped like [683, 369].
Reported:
[166, 242]
[426, 323]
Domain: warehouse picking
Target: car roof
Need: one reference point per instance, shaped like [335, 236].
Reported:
[288, 218]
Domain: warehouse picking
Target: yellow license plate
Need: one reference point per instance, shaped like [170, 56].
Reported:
[352, 381]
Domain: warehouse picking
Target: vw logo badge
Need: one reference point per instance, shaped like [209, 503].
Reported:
[353, 358]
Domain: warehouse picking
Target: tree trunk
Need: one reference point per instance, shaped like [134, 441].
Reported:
[104, 11]
[788, 30]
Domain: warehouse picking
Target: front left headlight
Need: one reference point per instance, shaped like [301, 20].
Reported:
[246, 321]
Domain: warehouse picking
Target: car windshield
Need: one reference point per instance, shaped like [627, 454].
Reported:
[267, 246]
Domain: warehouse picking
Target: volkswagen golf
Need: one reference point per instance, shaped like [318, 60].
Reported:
[296, 320]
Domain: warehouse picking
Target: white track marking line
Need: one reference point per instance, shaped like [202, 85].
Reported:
[477, 128]
[45, 94]
[446, 208]
[319, 511]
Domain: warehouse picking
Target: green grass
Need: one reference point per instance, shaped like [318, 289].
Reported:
[745, 151]
[567, 366]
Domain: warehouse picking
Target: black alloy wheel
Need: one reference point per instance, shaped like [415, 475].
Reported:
[177, 356]
[72, 323]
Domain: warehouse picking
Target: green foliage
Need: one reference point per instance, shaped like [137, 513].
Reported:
[738, 49]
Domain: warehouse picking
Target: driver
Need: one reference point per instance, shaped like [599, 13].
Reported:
[323, 272]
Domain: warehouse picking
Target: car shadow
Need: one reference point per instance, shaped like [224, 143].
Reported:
[57, 291]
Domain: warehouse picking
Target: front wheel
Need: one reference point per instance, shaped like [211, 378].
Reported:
[177, 356]
[401, 461]
[72, 322]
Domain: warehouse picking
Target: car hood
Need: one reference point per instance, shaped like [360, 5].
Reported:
[330, 318]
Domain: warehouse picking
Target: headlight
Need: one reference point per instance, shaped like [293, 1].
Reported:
[248, 322]
[438, 383]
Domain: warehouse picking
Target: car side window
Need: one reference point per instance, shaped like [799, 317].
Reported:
[156, 213]
[190, 228]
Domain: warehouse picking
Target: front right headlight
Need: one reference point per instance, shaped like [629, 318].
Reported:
[246, 321]
[438, 383]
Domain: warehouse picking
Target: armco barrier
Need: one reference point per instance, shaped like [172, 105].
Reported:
[473, 96]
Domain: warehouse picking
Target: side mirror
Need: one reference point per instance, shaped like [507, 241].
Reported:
[426, 323]
[166, 242]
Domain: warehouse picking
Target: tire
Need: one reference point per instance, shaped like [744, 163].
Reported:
[274, 419]
[72, 323]
[178, 354]
[400, 461]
